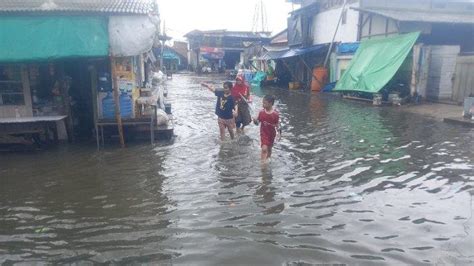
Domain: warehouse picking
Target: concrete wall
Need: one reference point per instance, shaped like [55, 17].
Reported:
[324, 24]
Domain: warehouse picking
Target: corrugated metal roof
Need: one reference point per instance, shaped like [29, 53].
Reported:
[281, 37]
[72, 6]
[423, 16]
[226, 33]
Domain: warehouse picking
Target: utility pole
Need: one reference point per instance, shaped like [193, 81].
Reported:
[335, 33]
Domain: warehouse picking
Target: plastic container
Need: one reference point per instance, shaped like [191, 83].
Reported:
[126, 105]
[377, 99]
[108, 106]
[294, 85]
[105, 83]
[321, 74]
[248, 75]
[168, 108]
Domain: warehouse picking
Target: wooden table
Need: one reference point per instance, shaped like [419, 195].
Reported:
[31, 125]
[101, 123]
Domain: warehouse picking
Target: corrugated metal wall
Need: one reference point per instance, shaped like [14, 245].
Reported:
[441, 73]
[464, 78]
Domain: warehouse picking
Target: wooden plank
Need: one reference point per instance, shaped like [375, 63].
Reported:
[19, 120]
[118, 117]
[64, 86]
[95, 111]
[459, 121]
[26, 91]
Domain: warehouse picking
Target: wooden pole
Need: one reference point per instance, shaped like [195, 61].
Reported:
[312, 74]
[64, 87]
[291, 72]
[118, 117]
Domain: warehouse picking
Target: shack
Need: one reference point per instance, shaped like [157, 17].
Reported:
[70, 68]
[441, 58]
[222, 48]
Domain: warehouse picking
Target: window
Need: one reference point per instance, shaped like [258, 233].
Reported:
[11, 87]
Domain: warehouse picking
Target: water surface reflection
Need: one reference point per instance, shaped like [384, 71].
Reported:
[348, 183]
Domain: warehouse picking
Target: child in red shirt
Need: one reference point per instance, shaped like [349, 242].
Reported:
[269, 119]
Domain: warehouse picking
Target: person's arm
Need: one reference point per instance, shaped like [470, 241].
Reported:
[278, 127]
[256, 120]
[235, 110]
[208, 86]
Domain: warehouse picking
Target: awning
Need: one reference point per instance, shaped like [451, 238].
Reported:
[272, 55]
[295, 52]
[30, 38]
[210, 53]
[429, 16]
[302, 51]
[376, 62]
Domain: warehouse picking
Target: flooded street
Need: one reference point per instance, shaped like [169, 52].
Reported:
[348, 183]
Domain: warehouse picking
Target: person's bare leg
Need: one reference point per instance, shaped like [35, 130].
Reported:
[222, 131]
[264, 154]
[269, 152]
[231, 132]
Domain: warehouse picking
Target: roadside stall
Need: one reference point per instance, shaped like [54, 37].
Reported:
[34, 87]
[127, 100]
[89, 74]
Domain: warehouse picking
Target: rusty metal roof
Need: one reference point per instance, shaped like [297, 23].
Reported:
[232, 34]
[77, 6]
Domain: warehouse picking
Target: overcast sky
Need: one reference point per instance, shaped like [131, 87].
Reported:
[183, 16]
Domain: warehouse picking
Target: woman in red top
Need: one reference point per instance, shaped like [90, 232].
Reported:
[240, 91]
[269, 120]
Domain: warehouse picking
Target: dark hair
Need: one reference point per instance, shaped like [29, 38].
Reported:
[269, 98]
[228, 84]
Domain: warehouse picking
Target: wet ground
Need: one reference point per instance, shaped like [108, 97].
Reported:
[348, 183]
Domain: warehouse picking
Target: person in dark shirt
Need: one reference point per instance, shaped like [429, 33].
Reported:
[226, 109]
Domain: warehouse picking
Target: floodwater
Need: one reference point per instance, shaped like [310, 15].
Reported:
[349, 183]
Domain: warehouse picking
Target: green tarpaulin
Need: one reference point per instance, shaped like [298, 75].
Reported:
[51, 37]
[375, 63]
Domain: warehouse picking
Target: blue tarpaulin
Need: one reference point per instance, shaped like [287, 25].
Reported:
[295, 52]
[347, 48]
[302, 51]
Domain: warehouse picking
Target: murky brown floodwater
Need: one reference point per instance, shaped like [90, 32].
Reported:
[349, 183]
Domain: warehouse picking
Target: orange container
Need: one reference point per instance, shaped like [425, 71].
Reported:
[294, 85]
[320, 77]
